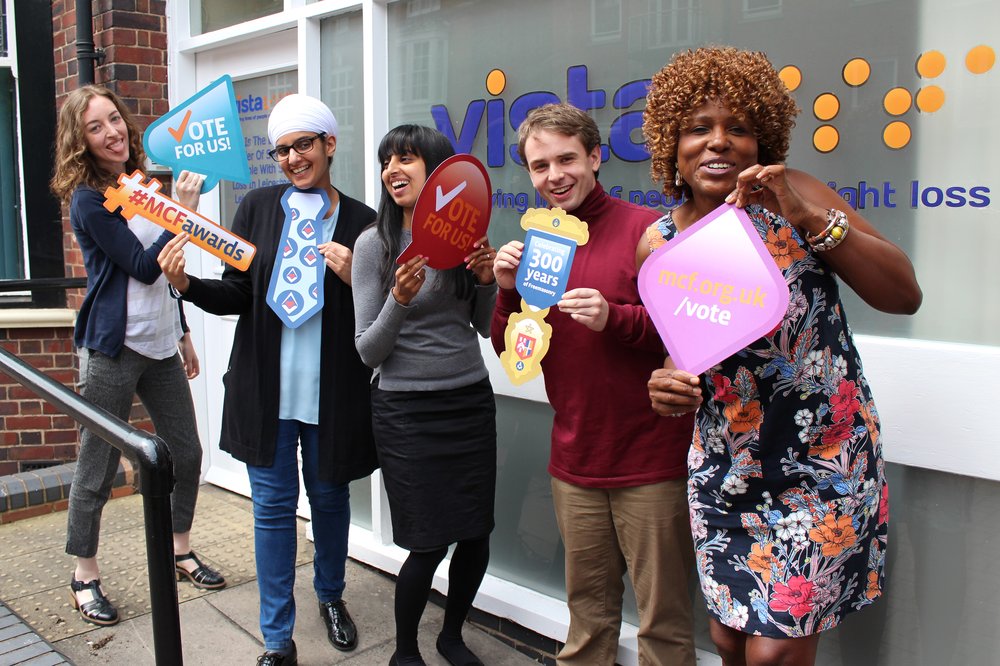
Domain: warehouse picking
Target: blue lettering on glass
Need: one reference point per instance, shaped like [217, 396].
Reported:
[470, 125]
[578, 93]
[882, 195]
[626, 143]
[495, 135]
[519, 110]
[623, 127]
[250, 103]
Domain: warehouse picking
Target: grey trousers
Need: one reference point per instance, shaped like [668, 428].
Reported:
[111, 383]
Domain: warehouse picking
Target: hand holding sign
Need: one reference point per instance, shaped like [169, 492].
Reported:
[543, 266]
[135, 197]
[202, 134]
[452, 213]
[713, 290]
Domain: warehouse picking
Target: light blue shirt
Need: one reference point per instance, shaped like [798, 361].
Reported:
[300, 358]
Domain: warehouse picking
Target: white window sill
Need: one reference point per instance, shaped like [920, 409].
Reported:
[37, 318]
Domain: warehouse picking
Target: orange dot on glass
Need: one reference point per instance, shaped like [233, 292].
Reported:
[896, 134]
[826, 138]
[930, 99]
[897, 101]
[857, 71]
[980, 59]
[826, 106]
[931, 64]
[791, 76]
[496, 81]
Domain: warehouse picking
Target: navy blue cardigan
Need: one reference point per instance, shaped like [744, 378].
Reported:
[111, 254]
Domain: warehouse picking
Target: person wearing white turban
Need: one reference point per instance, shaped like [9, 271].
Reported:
[300, 113]
[294, 388]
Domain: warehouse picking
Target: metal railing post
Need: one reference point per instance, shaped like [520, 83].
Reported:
[156, 480]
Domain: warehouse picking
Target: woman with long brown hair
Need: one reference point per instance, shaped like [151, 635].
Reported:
[129, 333]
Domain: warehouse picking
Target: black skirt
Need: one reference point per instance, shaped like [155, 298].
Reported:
[438, 453]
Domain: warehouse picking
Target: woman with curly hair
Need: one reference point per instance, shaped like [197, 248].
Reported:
[127, 333]
[786, 483]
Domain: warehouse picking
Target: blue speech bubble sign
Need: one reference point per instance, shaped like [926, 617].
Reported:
[202, 135]
[544, 268]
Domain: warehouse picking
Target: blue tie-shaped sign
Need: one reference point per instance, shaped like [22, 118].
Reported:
[296, 289]
[202, 135]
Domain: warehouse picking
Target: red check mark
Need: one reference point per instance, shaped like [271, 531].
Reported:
[178, 133]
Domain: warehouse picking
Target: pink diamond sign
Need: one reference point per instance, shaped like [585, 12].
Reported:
[713, 289]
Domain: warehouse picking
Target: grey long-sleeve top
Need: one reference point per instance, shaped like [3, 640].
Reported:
[428, 345]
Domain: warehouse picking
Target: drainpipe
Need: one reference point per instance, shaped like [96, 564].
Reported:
[86, 54]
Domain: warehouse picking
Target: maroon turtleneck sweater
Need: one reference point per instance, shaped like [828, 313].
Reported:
[605, 434]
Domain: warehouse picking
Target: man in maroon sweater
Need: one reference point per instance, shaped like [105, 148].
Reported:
[618, 469]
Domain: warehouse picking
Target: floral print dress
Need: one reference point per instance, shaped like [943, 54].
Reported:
[786, 489]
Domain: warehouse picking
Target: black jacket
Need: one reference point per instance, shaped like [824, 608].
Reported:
[250, 408]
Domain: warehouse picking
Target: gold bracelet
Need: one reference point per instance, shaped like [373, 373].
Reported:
[833, 235]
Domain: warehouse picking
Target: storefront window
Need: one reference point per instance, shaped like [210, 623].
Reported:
[342, 88]
[922, 182]
[255, 97]
[903, 158]
[209, 15]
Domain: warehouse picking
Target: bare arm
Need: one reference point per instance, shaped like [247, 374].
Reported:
[869, 263]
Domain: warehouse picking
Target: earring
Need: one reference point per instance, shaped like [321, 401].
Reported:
[678, 181]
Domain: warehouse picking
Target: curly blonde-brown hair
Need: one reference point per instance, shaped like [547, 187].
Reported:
[74, 163]
[745, 81]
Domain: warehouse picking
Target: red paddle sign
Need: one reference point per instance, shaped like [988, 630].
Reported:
[452, 212]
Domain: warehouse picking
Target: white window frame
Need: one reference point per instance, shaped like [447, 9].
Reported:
[762, 9]
[598, 32]
[646, 31]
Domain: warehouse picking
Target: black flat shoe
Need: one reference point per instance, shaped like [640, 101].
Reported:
[456, 652]
[202, 577]
[406, 661]
[340, 628]
[97, 609]
[290, 658]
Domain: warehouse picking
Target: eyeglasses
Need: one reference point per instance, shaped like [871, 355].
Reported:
[300, 146]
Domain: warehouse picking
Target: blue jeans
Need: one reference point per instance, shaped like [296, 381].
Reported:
[275, 491]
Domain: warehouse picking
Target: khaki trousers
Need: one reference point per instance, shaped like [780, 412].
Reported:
[644, 530]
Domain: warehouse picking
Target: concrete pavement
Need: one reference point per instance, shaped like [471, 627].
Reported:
[217, 627]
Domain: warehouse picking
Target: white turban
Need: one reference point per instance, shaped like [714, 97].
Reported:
[300, 113]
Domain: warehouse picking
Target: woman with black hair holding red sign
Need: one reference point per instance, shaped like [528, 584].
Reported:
[433, 411]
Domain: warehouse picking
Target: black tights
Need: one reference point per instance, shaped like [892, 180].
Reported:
[413, 587]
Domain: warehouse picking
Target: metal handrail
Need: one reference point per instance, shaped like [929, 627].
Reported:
[156, 479]
[43, 283]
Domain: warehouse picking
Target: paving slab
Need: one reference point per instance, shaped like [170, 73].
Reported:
[218, 627]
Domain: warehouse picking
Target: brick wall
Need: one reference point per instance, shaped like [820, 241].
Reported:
[133, 36]
[30, 430]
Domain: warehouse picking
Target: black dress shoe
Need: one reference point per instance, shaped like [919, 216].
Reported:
[96, 609]
[290, 658]
[340, 627]
[202, 577]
